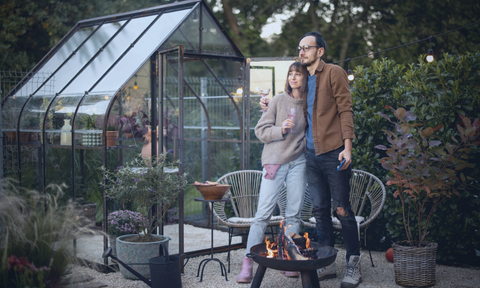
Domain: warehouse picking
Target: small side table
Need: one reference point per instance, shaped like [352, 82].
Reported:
[205, 261]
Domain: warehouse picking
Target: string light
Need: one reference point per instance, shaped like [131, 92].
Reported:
[430, 52]
[240, 91]
[135, 87]
[350, 76]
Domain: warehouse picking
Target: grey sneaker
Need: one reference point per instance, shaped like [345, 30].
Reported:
[353, 274]
[327, 272]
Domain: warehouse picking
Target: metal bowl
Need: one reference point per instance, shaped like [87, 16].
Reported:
[212, 192]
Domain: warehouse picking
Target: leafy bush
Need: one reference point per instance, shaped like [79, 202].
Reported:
[437, 93]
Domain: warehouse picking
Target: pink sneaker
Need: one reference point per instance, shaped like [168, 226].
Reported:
[245, 275]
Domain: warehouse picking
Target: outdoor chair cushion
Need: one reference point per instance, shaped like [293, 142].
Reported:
[239, 220]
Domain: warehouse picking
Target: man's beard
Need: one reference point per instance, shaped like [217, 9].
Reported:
[307, 63]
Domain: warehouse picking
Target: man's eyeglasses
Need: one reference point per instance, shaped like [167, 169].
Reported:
[304, 48]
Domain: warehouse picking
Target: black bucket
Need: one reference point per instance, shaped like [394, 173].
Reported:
[165, 270]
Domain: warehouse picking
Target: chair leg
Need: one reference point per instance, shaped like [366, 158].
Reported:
[230, 232]
[369, 251]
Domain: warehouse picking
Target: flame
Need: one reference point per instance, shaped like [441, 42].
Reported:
[307, 244]
[270, 251]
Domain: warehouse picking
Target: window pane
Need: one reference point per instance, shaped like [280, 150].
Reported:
[109, 55]
[141, 51]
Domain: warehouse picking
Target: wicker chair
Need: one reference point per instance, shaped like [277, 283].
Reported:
[367, 196]
[244, 201]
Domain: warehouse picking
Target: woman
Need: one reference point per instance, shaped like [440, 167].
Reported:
[283, 159]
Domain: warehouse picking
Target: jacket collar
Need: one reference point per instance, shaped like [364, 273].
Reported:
[320, 66]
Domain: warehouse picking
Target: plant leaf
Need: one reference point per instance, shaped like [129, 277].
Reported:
[400, 112]
[434, 143]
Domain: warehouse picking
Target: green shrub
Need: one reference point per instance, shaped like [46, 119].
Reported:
[436, 93]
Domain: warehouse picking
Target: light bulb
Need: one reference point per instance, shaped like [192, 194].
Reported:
[240, 91]
[350, 77]
[106, 97]
[430, 55]
[135, 87]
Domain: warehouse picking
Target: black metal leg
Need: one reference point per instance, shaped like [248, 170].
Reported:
[257, 280]
[314, 279]
[230, 232]
[204, 262]
[371, 257]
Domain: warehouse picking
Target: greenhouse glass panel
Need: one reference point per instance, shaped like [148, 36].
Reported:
[142, 50]
[84, 54]
[187, 34]
[109, 55]
[213, 39]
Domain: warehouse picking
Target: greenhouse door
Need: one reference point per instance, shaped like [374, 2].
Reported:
[170, 64]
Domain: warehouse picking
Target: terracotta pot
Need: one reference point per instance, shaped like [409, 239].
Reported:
[147, 151]
[112, 138]
[24, 136]
[12, 136]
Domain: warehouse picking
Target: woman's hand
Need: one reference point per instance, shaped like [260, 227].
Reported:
[264, 103]
[287, 125]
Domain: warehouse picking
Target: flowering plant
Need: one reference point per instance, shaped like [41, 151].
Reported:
[125, 222]
[22, 273]
[147, 185]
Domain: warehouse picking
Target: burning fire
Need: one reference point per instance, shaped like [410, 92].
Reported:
[281, 243]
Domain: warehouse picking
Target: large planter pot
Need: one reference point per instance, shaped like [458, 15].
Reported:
[414, 266]
[138, 252]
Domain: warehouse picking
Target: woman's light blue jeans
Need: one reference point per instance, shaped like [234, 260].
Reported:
[294, 174]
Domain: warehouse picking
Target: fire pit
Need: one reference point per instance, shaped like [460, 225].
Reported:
[322, 256]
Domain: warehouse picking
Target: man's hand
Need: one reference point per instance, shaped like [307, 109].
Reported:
[264, 103]
[346, 154]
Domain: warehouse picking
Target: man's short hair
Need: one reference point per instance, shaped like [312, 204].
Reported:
[318, 39]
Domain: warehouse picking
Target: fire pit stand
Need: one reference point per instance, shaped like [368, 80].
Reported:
[308, 268]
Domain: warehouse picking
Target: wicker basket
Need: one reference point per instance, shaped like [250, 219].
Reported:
[414, 266]
[89, 211]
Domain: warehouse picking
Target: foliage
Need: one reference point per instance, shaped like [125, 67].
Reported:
[36, 228]
[88, 122]
[425, 172]
[125, 222]
[130, 124]
[145, 184]
[430, 92]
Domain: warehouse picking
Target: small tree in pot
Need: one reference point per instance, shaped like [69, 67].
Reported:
[148, 186]
[425, 173]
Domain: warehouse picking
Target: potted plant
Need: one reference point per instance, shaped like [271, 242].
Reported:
[425, 173]
[131, 126]
[148, 186]
[123, 222]
[113, 125]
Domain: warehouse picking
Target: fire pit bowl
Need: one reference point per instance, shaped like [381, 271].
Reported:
[308, 268]
[212, 192]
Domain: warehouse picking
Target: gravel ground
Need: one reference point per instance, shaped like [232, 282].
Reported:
[381, 275]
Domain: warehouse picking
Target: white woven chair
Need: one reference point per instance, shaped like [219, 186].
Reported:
[243, 196]
[367, 197]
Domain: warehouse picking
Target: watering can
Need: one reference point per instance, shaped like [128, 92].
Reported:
[164, 269]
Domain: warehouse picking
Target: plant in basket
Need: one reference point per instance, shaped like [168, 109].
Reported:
[425, 173]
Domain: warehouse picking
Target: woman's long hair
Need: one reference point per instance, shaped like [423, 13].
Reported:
[298, 67]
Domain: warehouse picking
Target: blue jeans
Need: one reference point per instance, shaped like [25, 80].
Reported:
[293, 173]
[326, 183]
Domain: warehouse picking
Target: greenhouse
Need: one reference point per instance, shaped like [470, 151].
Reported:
[96, 97]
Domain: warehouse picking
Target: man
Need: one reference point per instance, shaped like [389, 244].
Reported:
[329, 114]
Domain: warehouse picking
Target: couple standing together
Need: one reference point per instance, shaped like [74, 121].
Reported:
[322, 92]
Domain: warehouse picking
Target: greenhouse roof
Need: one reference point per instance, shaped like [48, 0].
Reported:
[98, 56]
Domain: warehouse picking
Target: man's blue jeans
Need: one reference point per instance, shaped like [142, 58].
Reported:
[326, 183]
